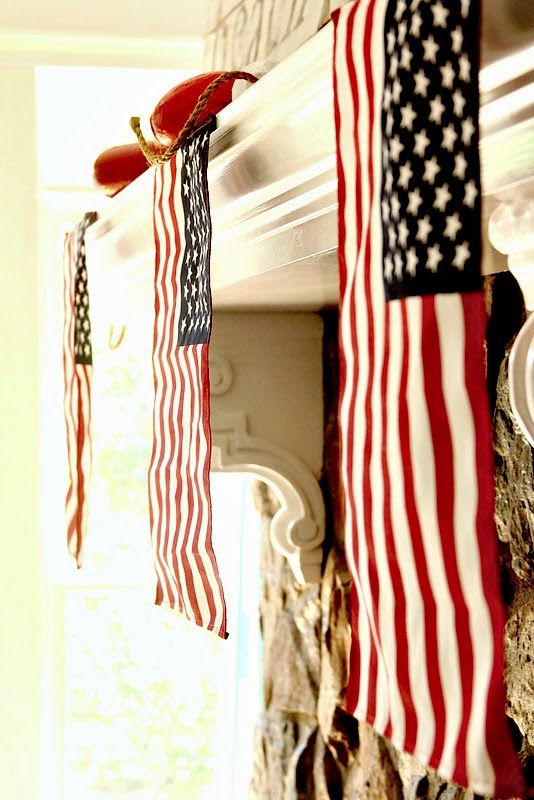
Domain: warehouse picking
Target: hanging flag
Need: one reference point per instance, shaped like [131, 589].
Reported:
[179, 488]
[77, 370]
[427, 619]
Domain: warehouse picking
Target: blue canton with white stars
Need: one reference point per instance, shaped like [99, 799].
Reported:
[83, 352]
[430, 162]
[195, 310]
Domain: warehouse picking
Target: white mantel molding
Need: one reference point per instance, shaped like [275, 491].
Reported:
[273, 184]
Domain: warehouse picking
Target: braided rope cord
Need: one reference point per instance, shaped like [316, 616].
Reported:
[156, 158]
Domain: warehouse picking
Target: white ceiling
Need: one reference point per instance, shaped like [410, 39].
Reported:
[128, 18]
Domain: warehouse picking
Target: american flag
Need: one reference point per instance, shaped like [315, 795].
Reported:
[77, 371]
[179, 491]
[427, 619]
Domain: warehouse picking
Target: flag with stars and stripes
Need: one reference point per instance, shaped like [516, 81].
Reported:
[77, 372]
[427, 617]
[179, 489]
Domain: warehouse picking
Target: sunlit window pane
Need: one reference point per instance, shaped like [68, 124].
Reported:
[143, 694]
[150, 706]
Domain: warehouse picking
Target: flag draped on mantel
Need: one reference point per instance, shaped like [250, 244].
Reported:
[77, 375]
[427, 618]
[179, 489]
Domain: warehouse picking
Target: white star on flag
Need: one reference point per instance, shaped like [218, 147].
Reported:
[405, 175]
[436, 110]
[406, 57]
[403, 232]
[431, 170]
[447, 75]
[440, 14]
[457, 40]
[411, 261]
[465, 68]
[414, 201]
[395, 148]
[442, 197]
[431, 48]
[398, 265]
[423, 229]
[408, 115]
[415, 27]
[449, 137]
[471, 192]
[434, 257]
[421, 83]
[452, 226]
[462, 254]
[421, 143]
[395, 206]
[400, 9]
[460, 165]
[468, 130]
[459, 102]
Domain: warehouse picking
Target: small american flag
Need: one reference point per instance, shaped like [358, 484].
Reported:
[179, 489]
[427, 618]
[77, 370]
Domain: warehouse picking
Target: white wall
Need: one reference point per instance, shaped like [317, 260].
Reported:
[29, 693]
[20, 626]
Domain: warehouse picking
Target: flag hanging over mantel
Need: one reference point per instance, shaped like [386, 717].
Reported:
[77, 375]
[427, 618]
[179, 490]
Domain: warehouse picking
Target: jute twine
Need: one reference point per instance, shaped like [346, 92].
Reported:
[155, 158]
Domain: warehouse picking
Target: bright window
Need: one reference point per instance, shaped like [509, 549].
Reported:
[139, 703]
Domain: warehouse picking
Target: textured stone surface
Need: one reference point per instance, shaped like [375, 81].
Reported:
[519, 650]
[307, 746]
[514, 482]
[514, 516]
[373, 775]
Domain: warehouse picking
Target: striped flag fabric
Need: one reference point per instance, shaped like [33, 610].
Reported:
[179, 490]
[427, 617]
[77, 373]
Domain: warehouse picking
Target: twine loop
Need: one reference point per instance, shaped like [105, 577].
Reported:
[157, 158]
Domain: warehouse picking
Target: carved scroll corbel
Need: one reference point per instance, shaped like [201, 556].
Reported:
[267, 419]
[297, 529]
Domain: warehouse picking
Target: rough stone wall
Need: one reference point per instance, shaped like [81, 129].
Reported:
[307, 747]
[515, 527]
